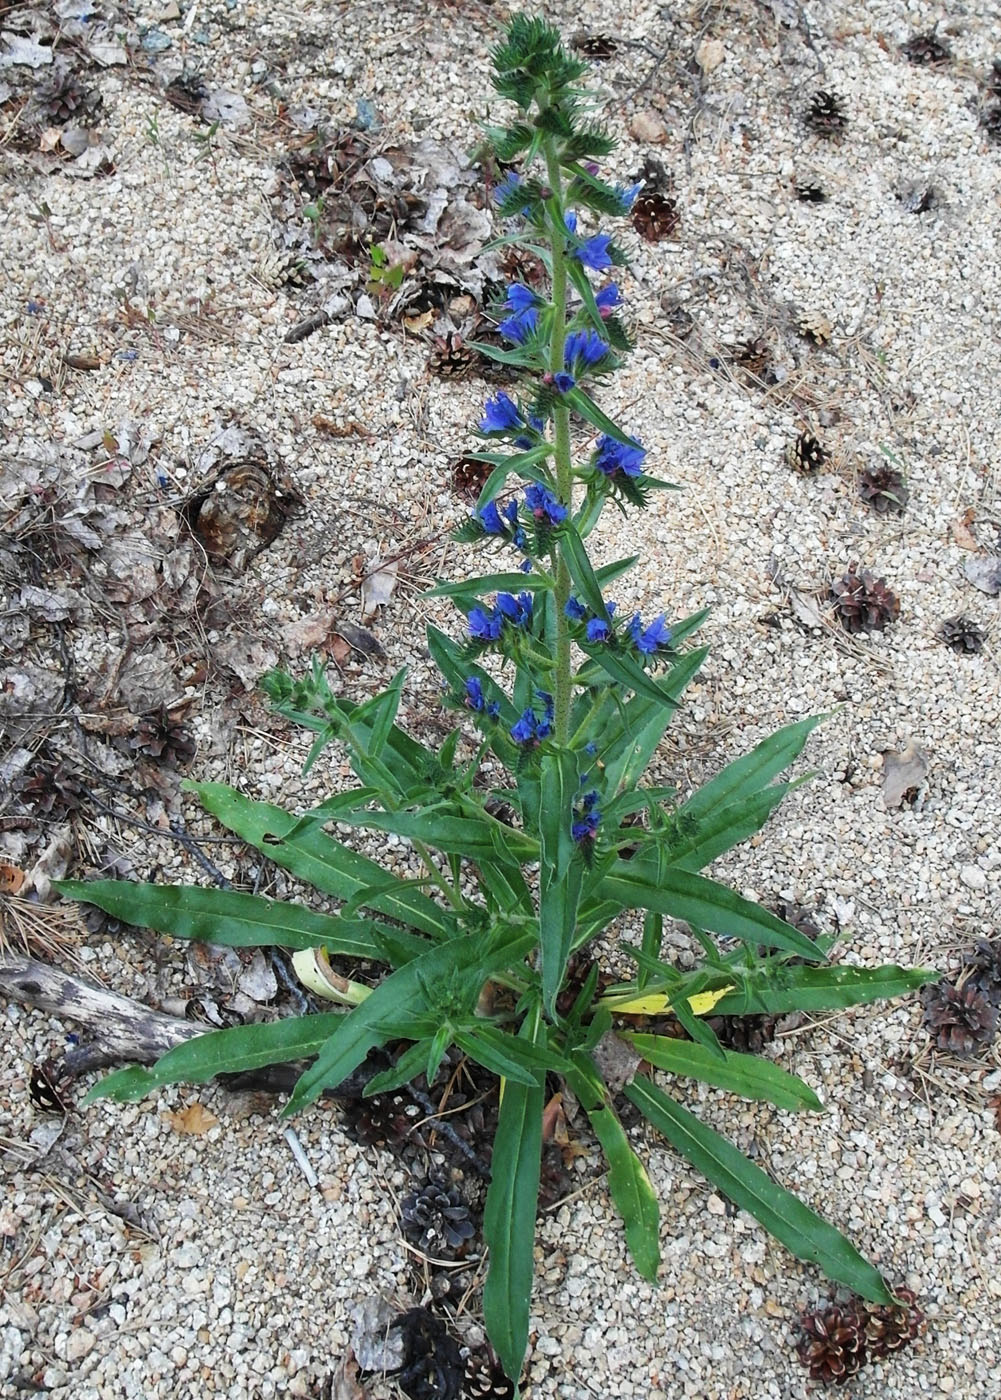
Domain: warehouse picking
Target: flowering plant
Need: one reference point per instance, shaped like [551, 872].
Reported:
[571, 698]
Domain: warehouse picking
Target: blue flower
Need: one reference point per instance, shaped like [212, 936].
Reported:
[523, 732]
[628, 193]
[527, 440]
[531, 727]
[612, 457]
[583, 349]
[597, 630]
[519, 327]
[484, 626]
[608, 298]
[563, 382]
[588, 817]
[544, 505]
[570, 219]
[647, 640]
[575, 609]
[520, 298]
[593, 252]
[517, 611]
[500, 415]
[489, 518]
[475, 699]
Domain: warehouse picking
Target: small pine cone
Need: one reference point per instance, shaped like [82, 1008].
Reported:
[800, 918]
[596, 46]
[186, 92]
[160, 735]
[827, 114]
[436, 1219]
[883, 488]
[809, 193]
[433, 1367]
[63, 97]
[282, 269]
[451, 357]
[985, 969]
[961, 1019]
[754, 356]
[383, 1120]
[887, 1329]
[577, 973]
[469, 477]
[814, 326]
[485, 1380]
[863, 602]
[832, 1345]
[806, 455]
[963, 635]
[926, 50]
[53, 790]
[747, 1034]
[655, 215]
[991, 123]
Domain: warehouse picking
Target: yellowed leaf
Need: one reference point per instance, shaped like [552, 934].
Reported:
[658, 1004]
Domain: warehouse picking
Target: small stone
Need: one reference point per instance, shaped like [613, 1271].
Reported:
[79, 1344]
[973, 877]
[710, 54]
[647, 126]
[715, 1205]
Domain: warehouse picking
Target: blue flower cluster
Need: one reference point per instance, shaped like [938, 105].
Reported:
[586, 817]
[532, 728]
[593, 252]
[475, 699]
[649, 639]
[612, 458]
[502, 415]
[509, 611]
[544, 506]
[596, 629]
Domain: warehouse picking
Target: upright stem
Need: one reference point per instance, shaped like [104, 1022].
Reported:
[562, 690]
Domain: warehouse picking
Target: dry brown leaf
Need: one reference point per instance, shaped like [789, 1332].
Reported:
[903, 775]
[961, 532]
[11, 878]
[193, 1121]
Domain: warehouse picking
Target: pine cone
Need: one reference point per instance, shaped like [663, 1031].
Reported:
[754, 356]
[747, 1034]
[963, 635]
[282, 269]
[63, 96]
[832, 1346]
[926, 50]
[814, 326]
[451, 357]
[863, 602]
[436, 1219]
[160, 735]
[985, 969]
[485, 1380]
[384, 1120]
[961, 1019]
[889, 1328]
[808, 193]
[469, 477]
[827, 114]
[991, 122]
[433, 1368]
[800, 918]
[883, 488]
[655, 215]
[186, 92]
[596, 46]
[806, 455]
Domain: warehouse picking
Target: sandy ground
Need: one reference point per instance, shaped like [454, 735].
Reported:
[147, 254]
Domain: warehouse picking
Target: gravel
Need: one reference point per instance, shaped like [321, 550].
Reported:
[146, 1262]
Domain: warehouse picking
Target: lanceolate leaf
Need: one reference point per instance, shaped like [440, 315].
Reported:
[748, 1075]
[231, 918]
[444, 831]
[509, 1222]
[560, 868]
[804, 1233]
[706, 904]
[492, 583]
[328, 864]
[778, 990]
[748, 775]
[223, 1052]
[627, 671]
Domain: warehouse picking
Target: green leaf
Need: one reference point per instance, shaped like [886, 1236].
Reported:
[492, 583]
[559, 867]
[777, 990]
[440, 828]
[316, 857]
[581, 572]
[625, 669]
[587, 408]
[804, 1233]
[231, 918]
[223, 1052]
[748, 1075]
[494, 1056]
[509, 1221]
[705, 904]
[628, 1182]
[703, 840]
[748, 775]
